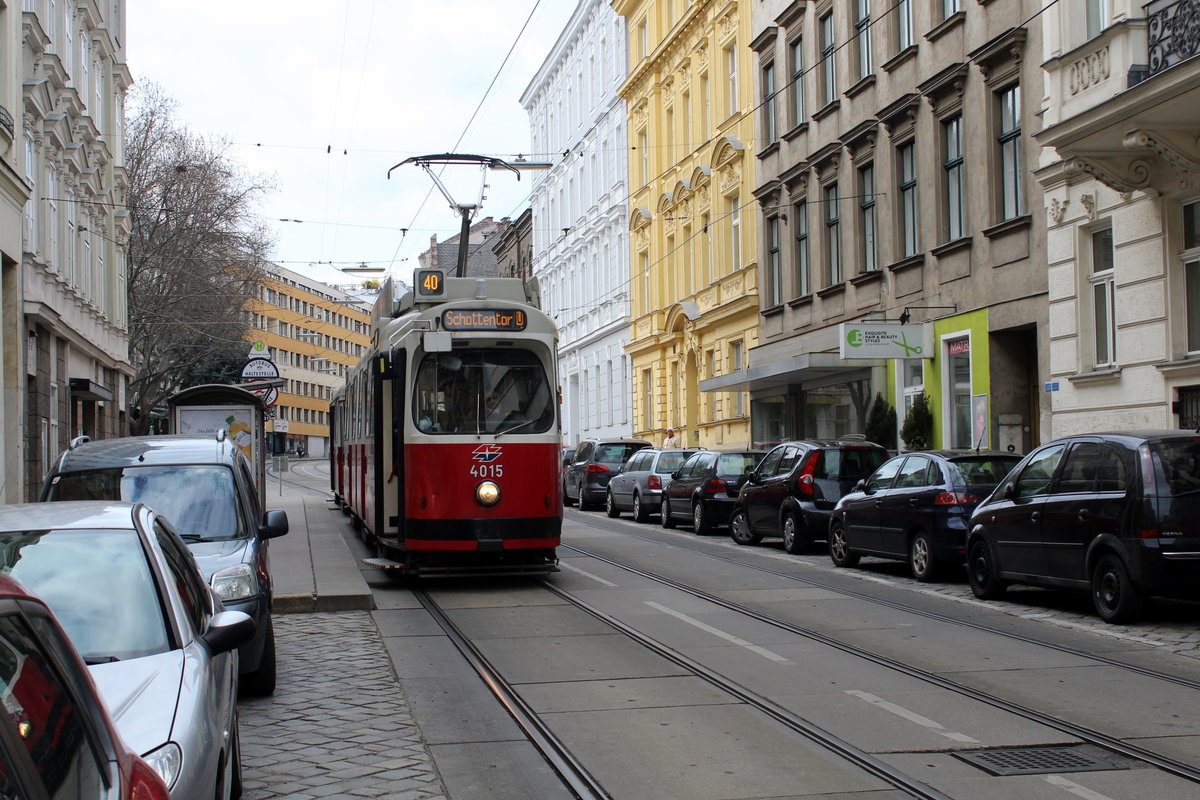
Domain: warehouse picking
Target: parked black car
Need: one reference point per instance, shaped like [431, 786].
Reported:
[706, 487]
[595, 462]
[795, 487]
[638, 485]
[915, 507]
[206, 488]
[1116, 514]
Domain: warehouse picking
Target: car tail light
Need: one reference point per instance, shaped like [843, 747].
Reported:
[145, 783]
[715, 486]
[955, 499]
[1150, 533]
[804, 484]
[596, 469]
[654, 482]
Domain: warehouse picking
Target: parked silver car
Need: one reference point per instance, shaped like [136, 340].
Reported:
[638, 486]
[158, 643]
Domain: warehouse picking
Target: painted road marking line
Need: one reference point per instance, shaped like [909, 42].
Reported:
[762, 651]
[912, 716]
[596, 578]
[1075, 789]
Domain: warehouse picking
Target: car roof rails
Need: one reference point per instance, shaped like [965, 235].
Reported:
[78, 440]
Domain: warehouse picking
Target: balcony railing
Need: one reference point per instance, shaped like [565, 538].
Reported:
[1174, 31]
[7, 123]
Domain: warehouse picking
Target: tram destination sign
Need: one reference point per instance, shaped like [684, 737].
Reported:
[484, 319]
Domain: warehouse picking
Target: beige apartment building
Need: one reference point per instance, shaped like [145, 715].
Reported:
[693, 226]
[894, 155]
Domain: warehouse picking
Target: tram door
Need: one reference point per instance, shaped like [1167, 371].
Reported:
[394, 392]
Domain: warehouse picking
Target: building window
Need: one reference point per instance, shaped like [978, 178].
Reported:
[646, 299]
[833, 235]
[737, 362]
[904, 25]
[866, 210]
[645, 150]
[906, 155]
[735, 233]
[797, 59]
[1098, 13]
[862, 36]
[774, 272]
[647, 400]
[1103, 297]
[952, 130]
[644, 39]
[1191, 268]
[950, 8]
[800, 226]
[731, 87]
[770, 134]
[708, 245]
[1009, 141]
[828, 66]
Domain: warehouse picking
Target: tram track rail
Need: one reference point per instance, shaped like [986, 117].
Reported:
[1168, 765]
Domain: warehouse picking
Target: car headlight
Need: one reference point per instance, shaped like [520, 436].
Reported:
[487, 493]
[166, 761]
[235, 583]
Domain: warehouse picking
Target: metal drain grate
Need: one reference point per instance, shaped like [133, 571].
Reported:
[1036, 760]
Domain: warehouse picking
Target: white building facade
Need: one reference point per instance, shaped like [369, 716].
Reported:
[71, 344]
[581, 237]
[1121, 180]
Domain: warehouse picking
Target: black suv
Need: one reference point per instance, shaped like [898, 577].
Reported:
[205, 487]
[595, 462]
[795, 487]
[1116, 514]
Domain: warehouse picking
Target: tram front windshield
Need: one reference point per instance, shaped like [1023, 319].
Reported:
[483, 390]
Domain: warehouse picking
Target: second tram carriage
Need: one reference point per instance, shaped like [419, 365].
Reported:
[446, 439]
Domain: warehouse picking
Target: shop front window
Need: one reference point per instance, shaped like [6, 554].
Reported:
[834, 411]
[958, 365]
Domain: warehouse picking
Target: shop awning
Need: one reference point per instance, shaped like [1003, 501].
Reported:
[788, 372]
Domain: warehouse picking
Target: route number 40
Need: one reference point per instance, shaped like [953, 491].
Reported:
[487, 470]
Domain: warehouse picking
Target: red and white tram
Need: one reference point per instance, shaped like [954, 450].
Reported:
[446, 439]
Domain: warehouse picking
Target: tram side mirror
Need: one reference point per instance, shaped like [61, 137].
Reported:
[437, 342]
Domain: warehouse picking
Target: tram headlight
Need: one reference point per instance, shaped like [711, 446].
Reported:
[487, 493]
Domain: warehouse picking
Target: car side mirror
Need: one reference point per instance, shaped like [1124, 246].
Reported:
[275, 523]
[675, 475]
[1010, 491]
[228, 630]
[752, 476]
[861, 486]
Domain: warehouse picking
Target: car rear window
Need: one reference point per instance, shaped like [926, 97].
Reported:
[1179, 460]
[982, 472]
[734, 465]
[614, 453]
[669, 462]
[849, 462]
[198, 499]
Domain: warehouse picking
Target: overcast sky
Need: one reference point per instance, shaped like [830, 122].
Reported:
[323, 97]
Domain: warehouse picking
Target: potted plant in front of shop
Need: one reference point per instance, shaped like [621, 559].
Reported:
[917, 430]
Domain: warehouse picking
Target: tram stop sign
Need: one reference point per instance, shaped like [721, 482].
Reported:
[262, 369]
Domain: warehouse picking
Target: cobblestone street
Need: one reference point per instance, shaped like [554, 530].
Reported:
[336, 725]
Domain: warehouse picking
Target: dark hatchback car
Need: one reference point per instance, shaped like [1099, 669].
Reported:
[205, 487]
[1115, 514]
[592, 467]
[705, 489]
[915, 507]
[793, 490]
[638, 486]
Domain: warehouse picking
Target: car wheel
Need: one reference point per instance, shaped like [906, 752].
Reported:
[920, 557]
[665, 513]
[739, 529]
[700, 523]
[610, 505]
[981, 572]
[261, 682]
[640, 512]
[793, 542]
[1115, 596]
[839, 548]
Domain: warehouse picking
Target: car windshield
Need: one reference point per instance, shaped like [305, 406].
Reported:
[982, 472]
[198, 499]
[1179, 460]
[849, 463]
[483, 390]
[614, 454]
[99, 585]
[734, 465]
[669, 462]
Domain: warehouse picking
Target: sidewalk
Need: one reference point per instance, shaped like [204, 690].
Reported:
[312, 565]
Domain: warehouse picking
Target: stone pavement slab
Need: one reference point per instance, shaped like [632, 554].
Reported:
[312, 566]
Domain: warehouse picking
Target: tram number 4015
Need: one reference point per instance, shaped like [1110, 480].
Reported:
[487, 470]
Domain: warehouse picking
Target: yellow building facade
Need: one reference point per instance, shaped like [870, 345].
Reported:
[693, 217]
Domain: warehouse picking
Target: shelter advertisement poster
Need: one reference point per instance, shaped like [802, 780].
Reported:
[236, 421]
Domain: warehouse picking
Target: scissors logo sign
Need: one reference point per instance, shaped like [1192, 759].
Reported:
[884, 340]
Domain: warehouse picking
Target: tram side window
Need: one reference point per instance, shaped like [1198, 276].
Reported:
[483, 390]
